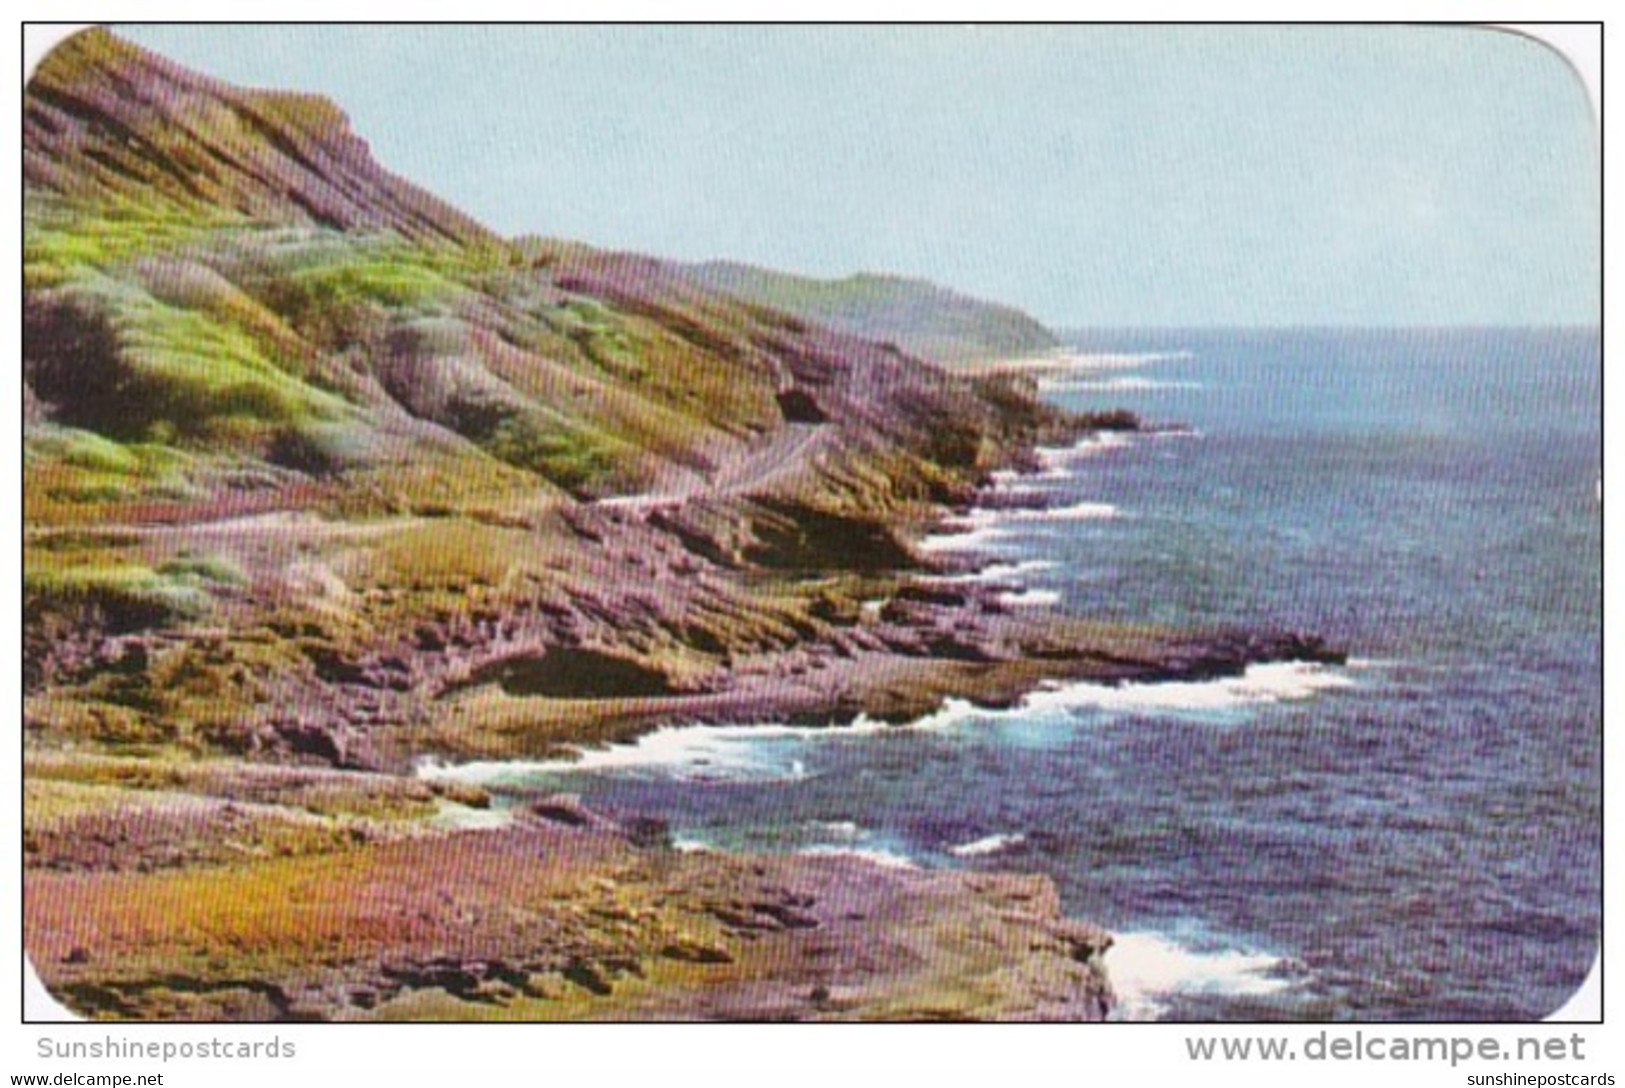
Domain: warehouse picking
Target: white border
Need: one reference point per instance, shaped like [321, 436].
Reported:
[790, 1055]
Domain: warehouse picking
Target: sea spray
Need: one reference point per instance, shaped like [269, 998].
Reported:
[1149, 969]
[778, 752]
[990, 844]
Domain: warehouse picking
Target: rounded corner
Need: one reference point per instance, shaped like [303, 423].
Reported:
[1540, 37]
[41, 1003]
[50, 44]
[1583, 1005]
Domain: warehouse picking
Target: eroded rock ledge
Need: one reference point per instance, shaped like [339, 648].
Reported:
[563, 915]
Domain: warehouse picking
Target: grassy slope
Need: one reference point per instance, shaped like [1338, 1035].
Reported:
[233, 313]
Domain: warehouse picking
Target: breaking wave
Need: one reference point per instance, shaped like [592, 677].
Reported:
[1149, 969]
[992, 844]
[1122, 384]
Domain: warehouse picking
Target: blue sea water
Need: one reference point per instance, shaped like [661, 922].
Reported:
[1416, 836]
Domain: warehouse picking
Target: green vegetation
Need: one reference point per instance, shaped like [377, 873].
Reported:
[196, 374]
[265, 342]
[63, 241]
[338, 273]
[573, 459]
[82, 450]
[203, 569]
[129, 594]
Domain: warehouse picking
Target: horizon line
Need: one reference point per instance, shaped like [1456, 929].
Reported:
[1565, 326]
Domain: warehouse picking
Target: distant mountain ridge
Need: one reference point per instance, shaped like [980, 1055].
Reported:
[920, 317]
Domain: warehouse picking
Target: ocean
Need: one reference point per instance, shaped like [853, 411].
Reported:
[1416, 836]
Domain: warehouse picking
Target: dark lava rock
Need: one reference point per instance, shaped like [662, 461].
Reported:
[567, 809]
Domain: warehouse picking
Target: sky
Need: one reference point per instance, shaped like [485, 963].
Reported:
[1094, 176]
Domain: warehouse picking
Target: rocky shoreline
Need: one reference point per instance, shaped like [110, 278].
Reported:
[286, 881]
[151, 880]
[293, 866]
[561, 916]
[324, 479]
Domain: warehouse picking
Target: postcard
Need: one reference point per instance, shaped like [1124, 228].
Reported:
[810, 523]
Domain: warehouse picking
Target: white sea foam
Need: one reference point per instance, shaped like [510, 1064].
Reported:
[845, 830]
[1078, 511]
[976, 529]
[466, 817]
[964, 536]
[1126, 359]
[699, 753]
[992, 844]
[1030, 598]
[1127, 383]
[692, 846]
[1091, 445]
[1050, 469]
[995, 572]
[1015, 570]
[1147, 969]
[952, 713]
[1092, 360]
[1281, 681]
[1287, 681]
[1054, 461]
[774, 752]
[1363, 664]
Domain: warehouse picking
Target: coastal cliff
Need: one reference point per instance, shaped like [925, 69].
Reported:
[324, 479]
